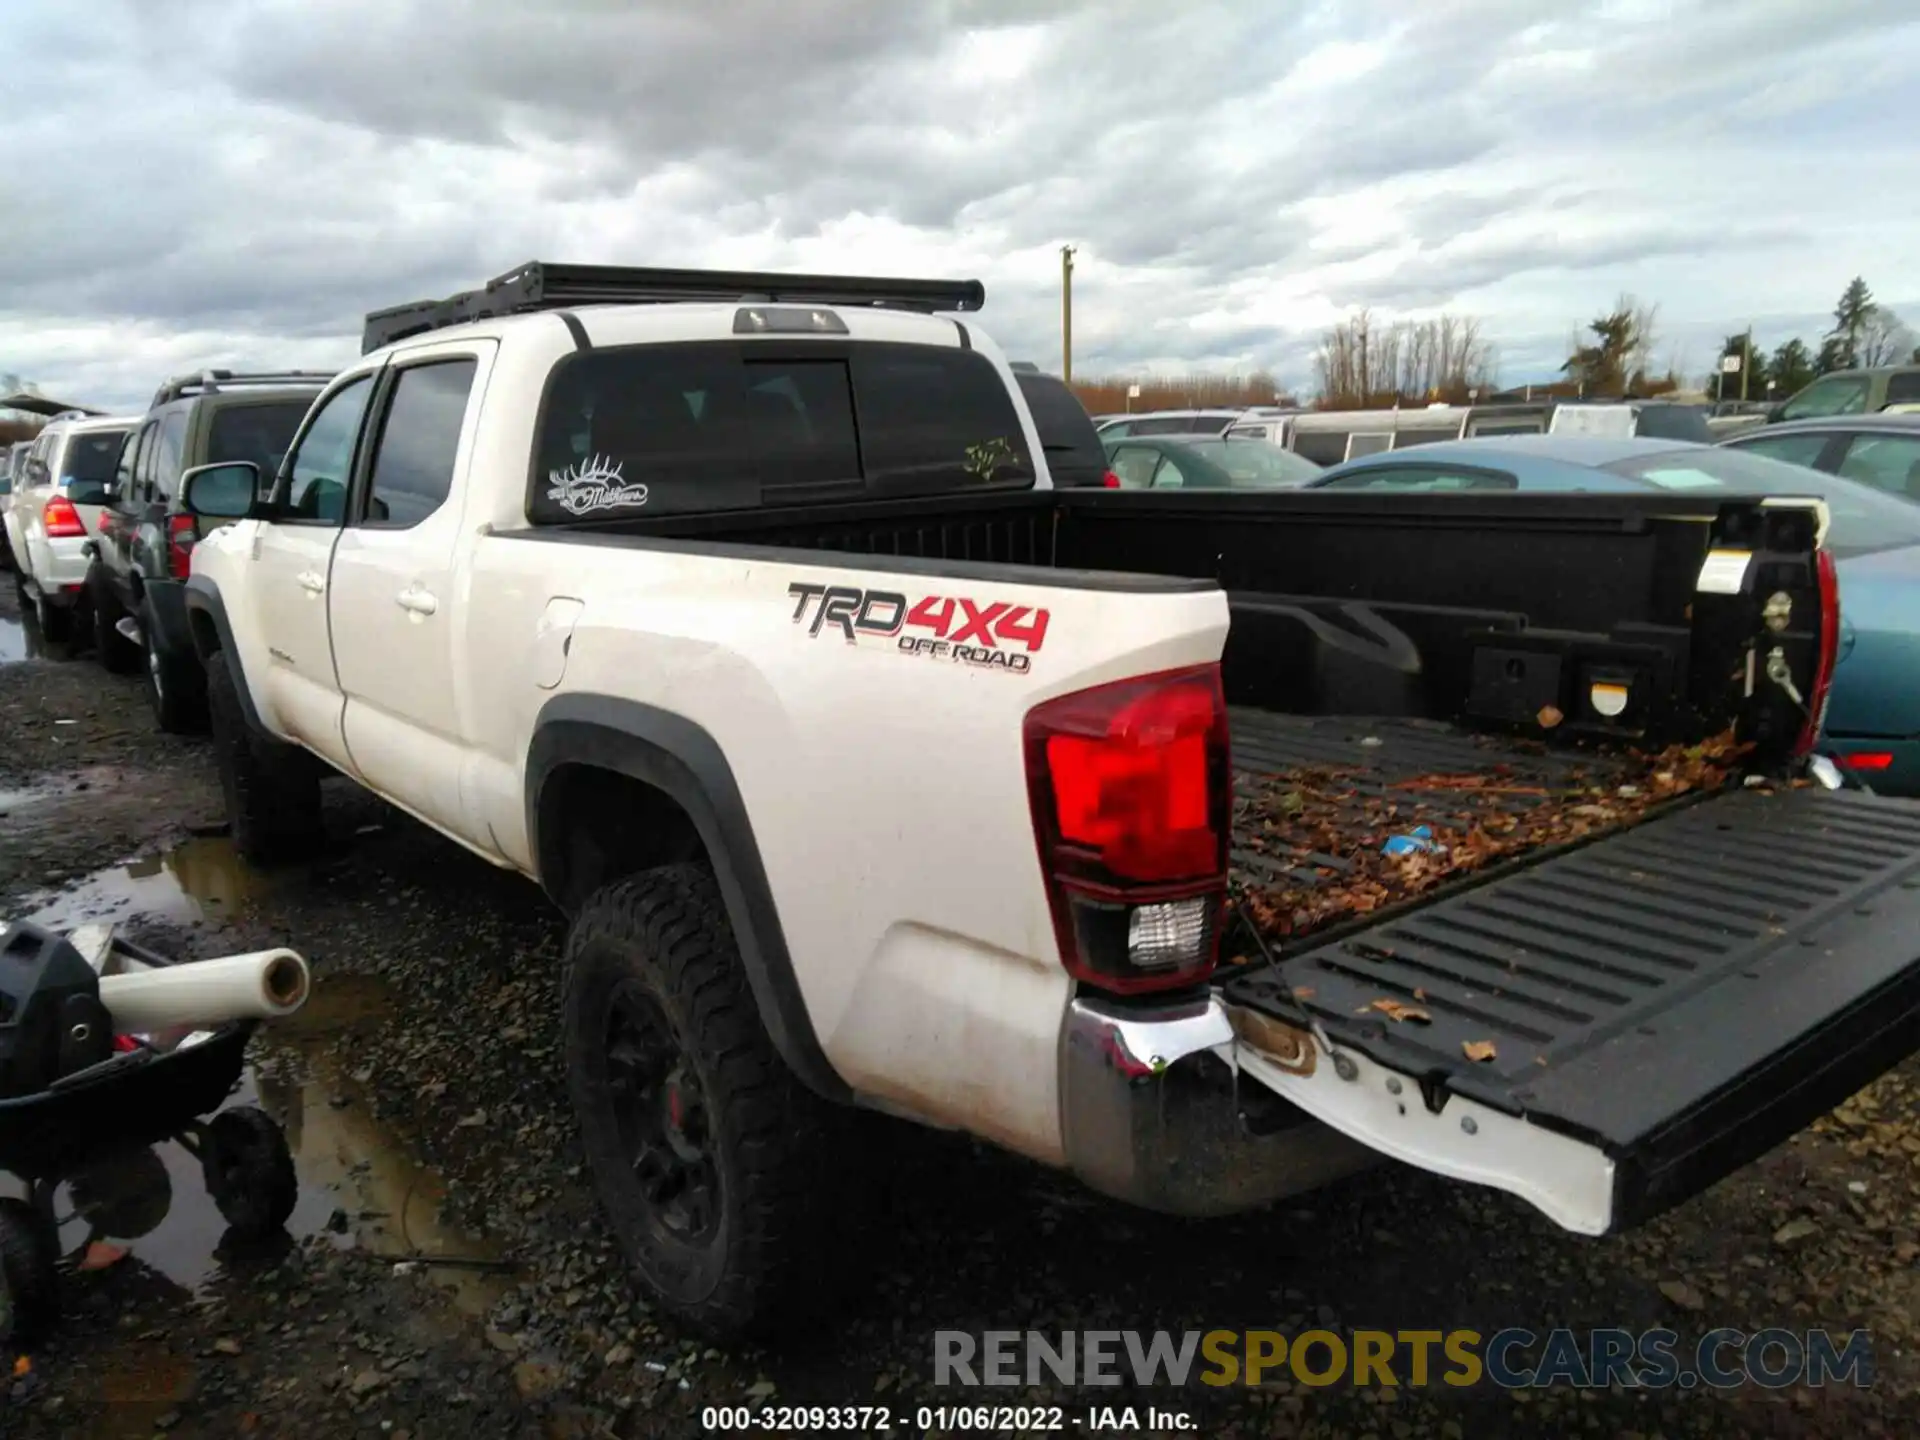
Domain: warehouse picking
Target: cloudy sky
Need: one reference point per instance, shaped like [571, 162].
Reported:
[204, 182]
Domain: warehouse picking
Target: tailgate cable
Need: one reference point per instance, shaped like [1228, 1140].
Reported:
[1295, 1010]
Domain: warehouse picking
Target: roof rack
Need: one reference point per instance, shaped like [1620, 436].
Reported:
[538, 285]
[209, 382]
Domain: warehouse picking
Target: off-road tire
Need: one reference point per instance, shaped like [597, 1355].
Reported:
[31, 1276]
[114, 651]
[272, 788]
[773, 1141]
[176, 686]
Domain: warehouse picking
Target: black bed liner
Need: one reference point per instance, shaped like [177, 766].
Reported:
[1684, 993]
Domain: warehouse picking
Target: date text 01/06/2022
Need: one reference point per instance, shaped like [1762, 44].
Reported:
[944, 1419]
[940, 627]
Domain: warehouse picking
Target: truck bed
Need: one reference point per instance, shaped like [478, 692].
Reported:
[1317, 798]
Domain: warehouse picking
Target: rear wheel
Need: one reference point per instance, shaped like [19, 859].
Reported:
[115, 651]
[716, 1167]
[56, 621]
[176, 685]
[272, 789]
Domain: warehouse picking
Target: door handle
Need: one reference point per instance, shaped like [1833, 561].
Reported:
[312, 581]
[417, 601]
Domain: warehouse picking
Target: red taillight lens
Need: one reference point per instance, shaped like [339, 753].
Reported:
[1867, 760]
[180, 537]
[1829, 580]
[1130, 787]
[61, 521]
[1110, 482]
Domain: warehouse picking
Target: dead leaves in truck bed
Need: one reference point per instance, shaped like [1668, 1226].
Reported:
[1314, 834]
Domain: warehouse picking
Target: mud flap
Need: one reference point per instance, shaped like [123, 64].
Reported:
[1612, 1030]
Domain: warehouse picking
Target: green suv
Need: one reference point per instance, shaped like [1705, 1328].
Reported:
[136, 585]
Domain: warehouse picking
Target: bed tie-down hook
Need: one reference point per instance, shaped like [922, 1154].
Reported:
[1781, 674]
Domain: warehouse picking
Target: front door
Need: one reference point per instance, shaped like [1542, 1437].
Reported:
[292, 556]
[393, 584]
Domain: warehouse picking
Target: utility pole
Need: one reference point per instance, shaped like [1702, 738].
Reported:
[1746, 365]
[1066, 313]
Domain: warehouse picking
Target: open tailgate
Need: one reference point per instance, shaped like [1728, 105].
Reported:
[1657, 1008]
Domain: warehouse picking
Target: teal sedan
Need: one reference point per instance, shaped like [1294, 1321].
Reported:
[1202, 462]
[1873, 713]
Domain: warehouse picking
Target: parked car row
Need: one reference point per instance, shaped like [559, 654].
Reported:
[100, 538]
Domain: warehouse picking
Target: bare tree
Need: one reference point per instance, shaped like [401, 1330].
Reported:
[1103, 395]
[1362, 363]
[1882, 339]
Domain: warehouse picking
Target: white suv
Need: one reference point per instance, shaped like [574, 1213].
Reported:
[56, 511]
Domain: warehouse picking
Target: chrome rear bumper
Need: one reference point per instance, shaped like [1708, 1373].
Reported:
[1155, 1112]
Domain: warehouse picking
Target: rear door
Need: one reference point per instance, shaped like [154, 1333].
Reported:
[292, 555]
[121, 517]
[393, 587]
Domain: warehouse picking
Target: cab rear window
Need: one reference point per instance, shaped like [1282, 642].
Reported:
[674, 429]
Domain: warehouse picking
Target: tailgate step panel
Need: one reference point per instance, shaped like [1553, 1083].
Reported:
[1654, 991]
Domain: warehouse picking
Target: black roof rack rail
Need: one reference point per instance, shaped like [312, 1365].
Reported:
[539, 285]
[208, 382]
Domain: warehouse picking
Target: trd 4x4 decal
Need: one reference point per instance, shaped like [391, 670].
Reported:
[992, 634]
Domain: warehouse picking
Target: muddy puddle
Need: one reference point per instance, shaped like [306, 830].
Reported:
[20, 639]
[358, 1185]
[199, 880]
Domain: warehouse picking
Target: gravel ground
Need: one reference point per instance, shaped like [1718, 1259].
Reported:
[422, 1093]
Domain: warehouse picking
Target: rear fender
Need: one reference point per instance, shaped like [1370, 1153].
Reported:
[680, 759]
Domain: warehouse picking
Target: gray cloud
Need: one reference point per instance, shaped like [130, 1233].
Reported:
[1234, 173]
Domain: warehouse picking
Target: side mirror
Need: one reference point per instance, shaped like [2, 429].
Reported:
[221, 492]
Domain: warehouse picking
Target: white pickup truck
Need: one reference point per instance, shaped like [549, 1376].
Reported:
[738, 612]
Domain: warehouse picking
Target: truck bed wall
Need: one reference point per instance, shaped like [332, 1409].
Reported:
[1446, 607]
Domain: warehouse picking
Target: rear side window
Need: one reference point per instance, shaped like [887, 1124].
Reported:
[934, 420]
[1836, 395]
[169, 458]
[258, 434]
[1903, 387]
[419, 441]
[1674, 422]
[123, 467]
[1799, 449]
[1073, 449]
[666, 429]
[87, 464]
[1886, 462]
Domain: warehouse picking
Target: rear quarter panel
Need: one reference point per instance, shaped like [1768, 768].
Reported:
[886, 790]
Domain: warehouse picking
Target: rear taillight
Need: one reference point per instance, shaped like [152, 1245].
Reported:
[60, 520]
[180, 537]
[1867, 760]
[1829, 650]
[1110, 482]
[1131, 793]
